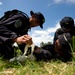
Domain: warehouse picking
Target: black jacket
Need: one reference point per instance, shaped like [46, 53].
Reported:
[61, 31]
[13, 26]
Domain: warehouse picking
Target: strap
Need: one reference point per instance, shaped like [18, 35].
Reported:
[68, 43]
[65, 38]
[31, 56]
[26, 49]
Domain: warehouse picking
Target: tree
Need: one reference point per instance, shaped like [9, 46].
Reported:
[43, 44]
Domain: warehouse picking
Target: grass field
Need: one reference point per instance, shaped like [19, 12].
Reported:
[37, 68]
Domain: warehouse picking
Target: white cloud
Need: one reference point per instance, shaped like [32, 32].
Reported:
[61, 1]
[44, 35]
[0, 3]
[57, 1]
[67, 1]
[70, 1]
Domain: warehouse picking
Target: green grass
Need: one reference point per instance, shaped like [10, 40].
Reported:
[37, 68]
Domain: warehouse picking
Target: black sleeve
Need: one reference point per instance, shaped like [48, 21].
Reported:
[55, 37]
[58, 32]
[6, 34]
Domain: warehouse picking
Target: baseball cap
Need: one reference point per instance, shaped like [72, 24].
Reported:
[67, 22]
[39, 16]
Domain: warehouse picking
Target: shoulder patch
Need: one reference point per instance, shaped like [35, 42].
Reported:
[18, 23]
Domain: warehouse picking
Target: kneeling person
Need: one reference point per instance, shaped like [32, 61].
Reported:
[60, 50]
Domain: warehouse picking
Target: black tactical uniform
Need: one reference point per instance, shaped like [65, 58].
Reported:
[53, 55]
[61, 31]
[66, 23]
[10, 28]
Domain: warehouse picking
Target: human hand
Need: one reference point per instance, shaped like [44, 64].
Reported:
[24, 39]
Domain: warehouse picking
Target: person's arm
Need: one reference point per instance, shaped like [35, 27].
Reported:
[55, 37]
[7, 35]
[57, 33]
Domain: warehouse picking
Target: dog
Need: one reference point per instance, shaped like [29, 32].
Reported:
[37, 53]
[32, 52]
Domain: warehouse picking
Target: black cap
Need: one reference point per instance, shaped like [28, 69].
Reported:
[39, 16]
[67, 22]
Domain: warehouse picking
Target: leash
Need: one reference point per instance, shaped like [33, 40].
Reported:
[68, 43]
[31, 56]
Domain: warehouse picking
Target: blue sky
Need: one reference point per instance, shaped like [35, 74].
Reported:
[53, 10]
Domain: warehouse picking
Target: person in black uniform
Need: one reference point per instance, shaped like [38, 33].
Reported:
[14, 26]
[67, 26]
[62, 49]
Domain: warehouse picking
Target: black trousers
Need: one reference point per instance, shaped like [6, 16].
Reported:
[6, 50]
